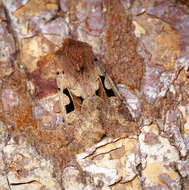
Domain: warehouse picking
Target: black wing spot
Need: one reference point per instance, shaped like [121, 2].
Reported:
[70, 106]
[109, 92]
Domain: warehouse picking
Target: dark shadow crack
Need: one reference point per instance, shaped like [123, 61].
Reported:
[24, 183]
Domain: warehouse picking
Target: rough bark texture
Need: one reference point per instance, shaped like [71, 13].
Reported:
[94, 94]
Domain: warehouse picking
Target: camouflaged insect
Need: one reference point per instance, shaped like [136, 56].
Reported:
[97, 107]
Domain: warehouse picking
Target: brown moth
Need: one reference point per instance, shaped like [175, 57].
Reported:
[90, 102]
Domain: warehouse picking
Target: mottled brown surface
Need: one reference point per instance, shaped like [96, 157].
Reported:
[97, 116]
[44, 77]
[76, 61]
[58, 99]
[122, 60]
[35, 7]
[50, 143]
[184, 2]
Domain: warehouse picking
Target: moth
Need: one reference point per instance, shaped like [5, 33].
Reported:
[90, 102]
